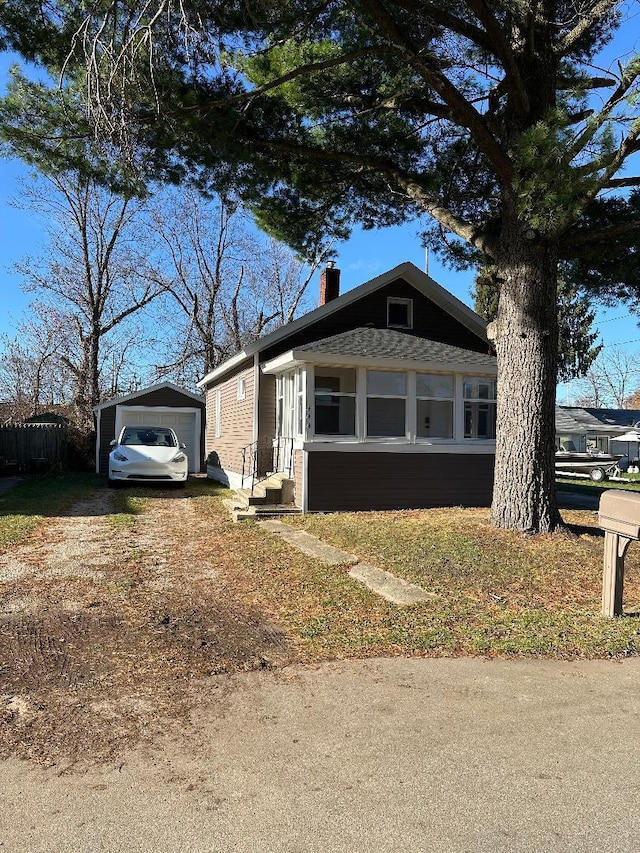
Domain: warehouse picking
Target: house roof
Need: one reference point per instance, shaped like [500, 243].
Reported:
[406, 271]
[579, 419]
[115, 401]
[372, 344]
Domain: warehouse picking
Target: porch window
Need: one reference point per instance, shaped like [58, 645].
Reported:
[386, 404]
[335, 401]
[479, 408]
[434, 405]
[289, 404]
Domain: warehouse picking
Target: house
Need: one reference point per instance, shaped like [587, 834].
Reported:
[381, 398]
[587, 428]
[164, 404]
[384, 397]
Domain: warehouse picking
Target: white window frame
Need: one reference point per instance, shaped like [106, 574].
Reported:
[353, 394]
[305, 394]
[477, 401]
[241, 388]
[290, 395]
[373, 396]
[218, 413]
[398, 300]
[452, 400]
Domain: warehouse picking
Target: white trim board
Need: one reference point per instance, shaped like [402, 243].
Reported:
[473, 448]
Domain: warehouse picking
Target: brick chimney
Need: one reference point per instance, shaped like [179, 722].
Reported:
[329, 283]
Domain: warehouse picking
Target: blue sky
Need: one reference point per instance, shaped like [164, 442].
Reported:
[365, 255]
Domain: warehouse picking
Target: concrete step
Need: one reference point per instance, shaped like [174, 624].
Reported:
[270, 495]
[264, 511]
[276, 490]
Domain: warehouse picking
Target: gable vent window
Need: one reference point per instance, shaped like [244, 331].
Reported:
[399, 313]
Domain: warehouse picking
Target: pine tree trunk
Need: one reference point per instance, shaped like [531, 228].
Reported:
[525, 336]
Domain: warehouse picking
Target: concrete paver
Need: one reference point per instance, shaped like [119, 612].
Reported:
[377, 580]
[389, 586]
[308, 544]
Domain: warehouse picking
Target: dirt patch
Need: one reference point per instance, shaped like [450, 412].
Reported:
[104, 631]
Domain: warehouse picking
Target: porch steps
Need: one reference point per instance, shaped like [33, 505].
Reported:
[271, 497]
[264, 511]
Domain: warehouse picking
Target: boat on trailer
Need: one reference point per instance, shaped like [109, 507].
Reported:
[597, 465]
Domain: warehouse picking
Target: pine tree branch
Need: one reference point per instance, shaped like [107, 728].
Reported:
[618, 183]
[463, 111]
[596, 14]
[582, 243]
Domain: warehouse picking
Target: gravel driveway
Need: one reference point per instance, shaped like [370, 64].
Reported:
[103, 629]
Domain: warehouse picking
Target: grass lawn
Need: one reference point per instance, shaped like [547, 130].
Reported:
[24, 508]
[497, 593]
[585, 486]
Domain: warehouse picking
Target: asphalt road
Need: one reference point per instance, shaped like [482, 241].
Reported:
[385, 755]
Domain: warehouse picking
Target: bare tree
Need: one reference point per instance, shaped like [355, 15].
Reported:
[228, 283]
[32, 374]
[94, 271]
[610, 380]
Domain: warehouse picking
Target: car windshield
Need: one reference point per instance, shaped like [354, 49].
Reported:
[148, 436]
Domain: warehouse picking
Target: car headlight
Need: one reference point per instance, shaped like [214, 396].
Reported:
[120, 457]
[180, 457]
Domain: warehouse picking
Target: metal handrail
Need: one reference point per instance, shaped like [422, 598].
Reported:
[281, 459]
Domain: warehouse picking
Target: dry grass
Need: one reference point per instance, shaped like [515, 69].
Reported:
[112, 614]
[497, 592]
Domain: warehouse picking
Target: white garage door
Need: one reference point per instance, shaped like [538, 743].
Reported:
[185, 425]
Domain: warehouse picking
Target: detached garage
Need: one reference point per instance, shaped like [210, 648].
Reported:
[160, 405]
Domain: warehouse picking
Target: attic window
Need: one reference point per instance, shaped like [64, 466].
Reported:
[399, 313]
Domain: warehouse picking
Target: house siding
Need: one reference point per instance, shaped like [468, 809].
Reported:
[386, 481]
[236, 419]
[107, 435]
[167, 398]
[429, 321]
[298, 477]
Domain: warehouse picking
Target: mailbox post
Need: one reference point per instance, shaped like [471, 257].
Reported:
[619, 517]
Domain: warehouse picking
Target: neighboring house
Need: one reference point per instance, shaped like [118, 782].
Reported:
[164, 404]
[595, 429]
[381, 398]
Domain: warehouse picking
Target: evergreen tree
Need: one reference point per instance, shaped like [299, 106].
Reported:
[485, 116]
[576, 338]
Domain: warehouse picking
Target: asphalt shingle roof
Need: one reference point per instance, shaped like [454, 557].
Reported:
[389, 343]
[580, 419]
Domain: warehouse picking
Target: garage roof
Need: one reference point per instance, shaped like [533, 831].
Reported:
[116, 401]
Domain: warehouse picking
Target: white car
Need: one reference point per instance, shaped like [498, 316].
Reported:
[147, 454]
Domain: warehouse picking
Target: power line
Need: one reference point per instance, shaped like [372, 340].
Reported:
[612, 319]
[621, 343]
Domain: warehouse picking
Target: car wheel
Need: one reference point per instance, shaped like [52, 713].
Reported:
[598, 475]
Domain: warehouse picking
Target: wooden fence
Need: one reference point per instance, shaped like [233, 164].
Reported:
[32, 447]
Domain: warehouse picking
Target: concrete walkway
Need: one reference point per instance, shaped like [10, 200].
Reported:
[377, 580]
[381, 756]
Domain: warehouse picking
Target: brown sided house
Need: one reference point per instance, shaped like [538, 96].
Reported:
[382, 398]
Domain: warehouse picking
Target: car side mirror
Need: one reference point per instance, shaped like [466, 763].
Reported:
[113, 443]
[183, 446]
